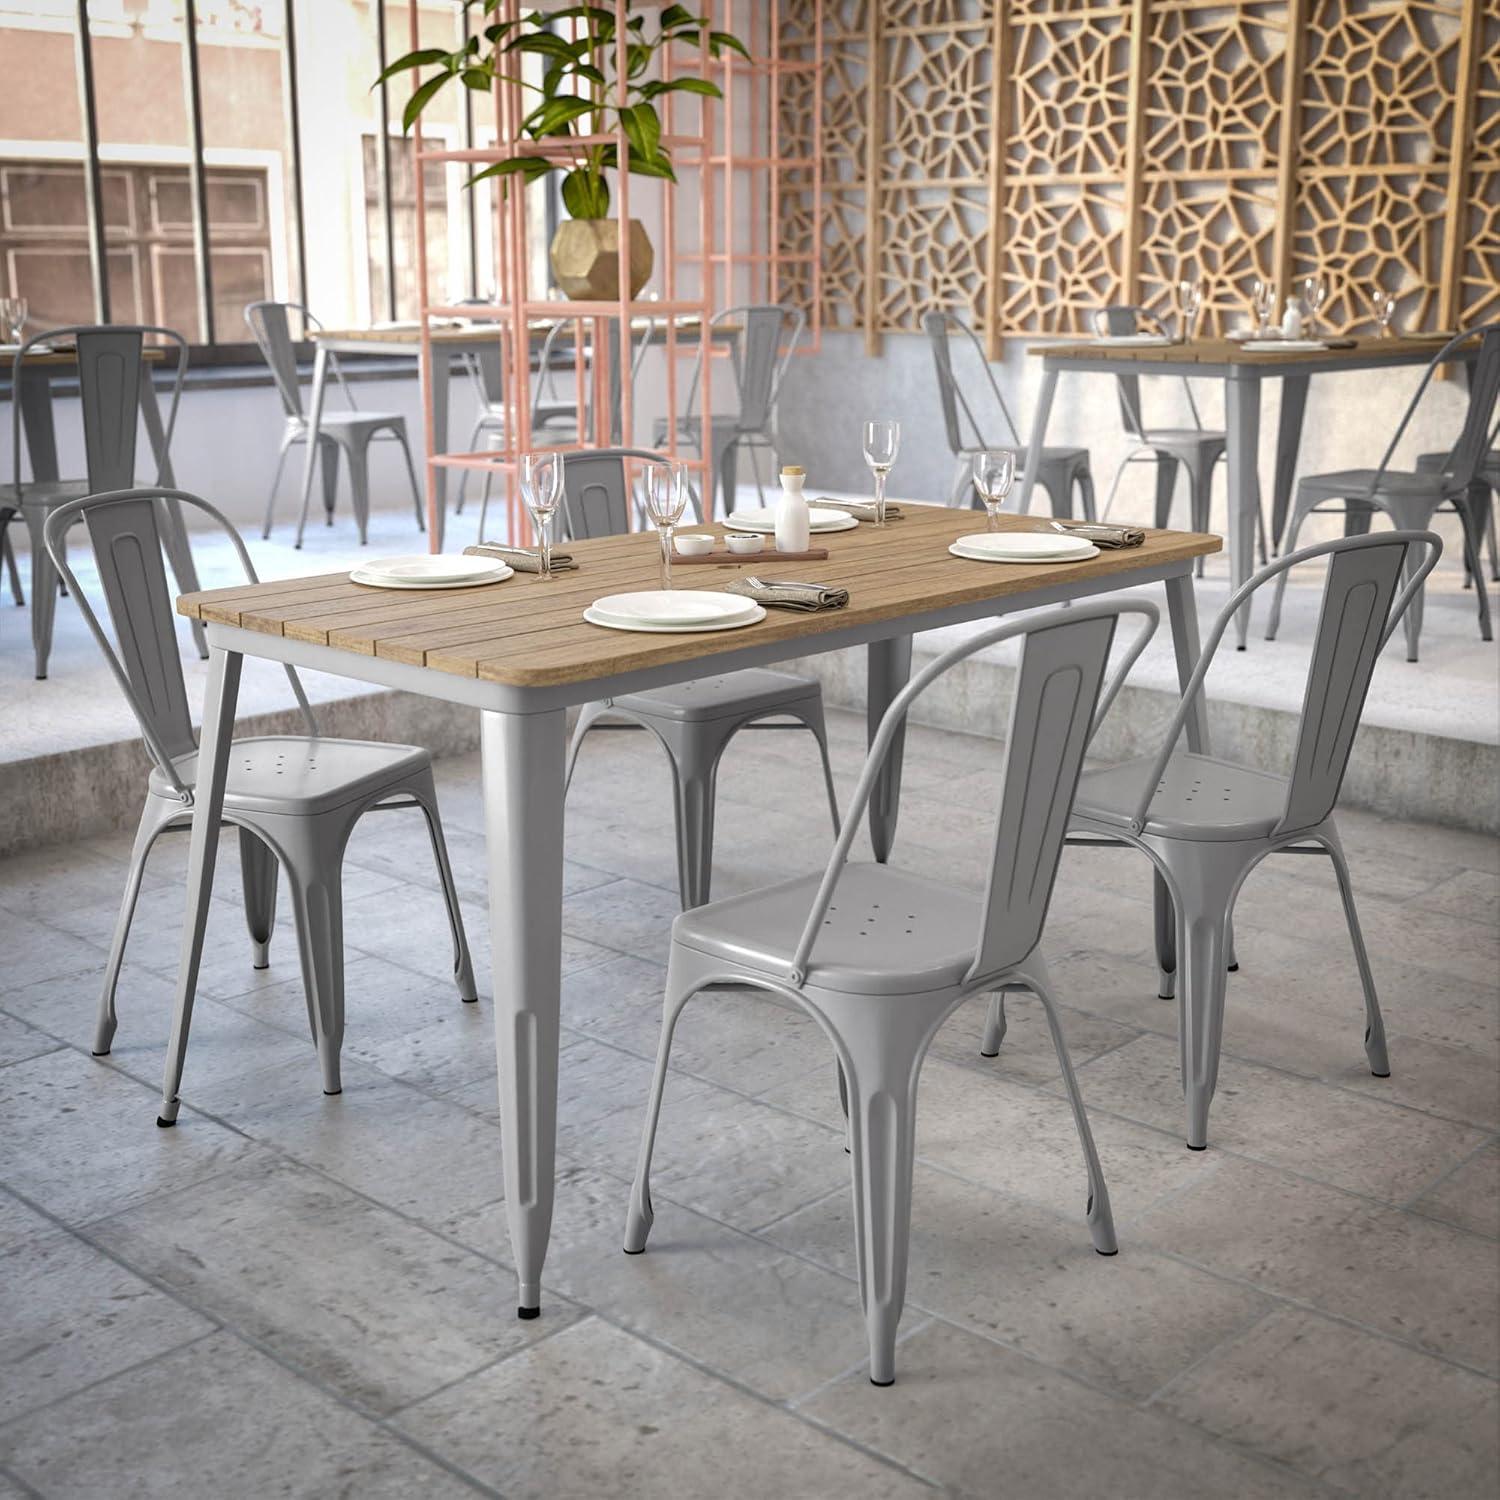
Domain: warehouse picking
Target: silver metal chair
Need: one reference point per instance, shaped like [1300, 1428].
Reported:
[881, 958]
[1206, 823]
[351, 431]
[1061, 471]
[1411, 500]
[294, 798]
[694, 721]
[1197, 449]
[766, 338]
[109, 392]
[1488, 475]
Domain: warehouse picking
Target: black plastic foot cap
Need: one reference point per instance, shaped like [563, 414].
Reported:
[882, 1383]
[331, 1093]
[1161, 996]
[1234, 968]
[1239, 648]
[260, 968]
[1192, 1147]
[105, 1053]
[1373, 1073]
[1098, 1251]
[469, 999]
[165, 1124]
[641, 1251]
[983, 1053]
[528, 1312]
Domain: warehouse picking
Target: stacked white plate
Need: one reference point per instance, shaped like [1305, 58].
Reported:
[1023, 547]
[1133, 340]
[819, 518]
[428, 572]
[1278, 346]
[673, 611]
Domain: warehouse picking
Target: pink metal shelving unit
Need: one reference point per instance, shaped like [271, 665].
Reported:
[717, 165]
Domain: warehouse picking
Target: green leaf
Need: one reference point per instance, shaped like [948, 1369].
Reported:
[418, 101]
[546, 45]
[682, 86]
[584, 195]
[642, 129]
[637, 59]
[424, 58]
[678, 15]
[554, 116]
[718, 40]
[529, 167]
[478, 79]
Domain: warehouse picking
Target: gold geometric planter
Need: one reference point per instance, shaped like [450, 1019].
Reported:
[585, 258]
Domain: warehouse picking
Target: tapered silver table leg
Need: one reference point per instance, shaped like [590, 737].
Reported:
[889, 667]
[523, 760]
[1038, 437]
[314, 423]
[437, 474]
[1242, 412]
[1288, 442]
[203, 849]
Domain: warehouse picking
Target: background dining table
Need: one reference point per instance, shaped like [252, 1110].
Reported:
[1243, 372]
[520, 652]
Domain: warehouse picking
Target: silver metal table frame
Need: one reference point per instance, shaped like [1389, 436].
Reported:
[523, 753]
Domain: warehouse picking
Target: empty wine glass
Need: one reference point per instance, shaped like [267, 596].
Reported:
[1262, 305]
[1314, 295]
[1383, 305]
[882, 443]
[1189, 304]
[994, 473]
[541, 489]
[13, 318]
[666, 499]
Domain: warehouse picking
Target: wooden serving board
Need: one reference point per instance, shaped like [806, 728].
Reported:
[722, 555]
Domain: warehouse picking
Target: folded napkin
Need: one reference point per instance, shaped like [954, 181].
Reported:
[789, 593]
[863, 510]
[520, 558]
[1105, 536]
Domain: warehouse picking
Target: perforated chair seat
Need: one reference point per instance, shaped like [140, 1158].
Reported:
[42, 492]
[301, 775]
[734, 694]
[1198, 797]
[1184, 437]
[886, 932]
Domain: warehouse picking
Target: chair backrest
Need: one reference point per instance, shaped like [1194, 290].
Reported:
[937, 325]
[1058, 687]
[1474, 440]
[596, 490]
[1361, 608]
[768, 334]
[124, 529]
[109, 389]
[271, 328]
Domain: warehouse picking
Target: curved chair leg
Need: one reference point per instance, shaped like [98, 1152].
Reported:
[411, 474]
[994, 1026]
[1165, 915]
[695, 770]
[1289, 544]
[960, 489]
[258, 871]
[286, 446]
[463, 474]
[1100, 1218]
[638, 1216]
[328, 449]
[1198, 502]
[1083, 481]
[315, 881]
[1166, 485]
[151, 824]
[463, 964]
[44, 580]
[1473, 529]
[484, 501]
[358, 457]
[588, 716]
[1375, 1048]
[14, 573]
[812, 716]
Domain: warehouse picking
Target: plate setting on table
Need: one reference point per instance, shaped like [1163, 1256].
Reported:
[819, 518]
[673, 611]
[426, 571]
[1022, 547]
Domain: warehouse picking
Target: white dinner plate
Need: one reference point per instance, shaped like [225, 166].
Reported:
[674, 607]
[424, 567]
[1136, 340]
[613, 622]
[1022, 547]
[498, 574]
[1278, 346]
[818, 518]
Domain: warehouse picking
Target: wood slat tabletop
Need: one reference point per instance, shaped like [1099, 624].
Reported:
[530, 632]
[411, 333]
[1229, 352]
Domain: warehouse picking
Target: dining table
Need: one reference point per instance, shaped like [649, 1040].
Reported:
[1243, 371]
[522, 655]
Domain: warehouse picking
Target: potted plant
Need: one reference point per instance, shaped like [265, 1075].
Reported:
[579, 95]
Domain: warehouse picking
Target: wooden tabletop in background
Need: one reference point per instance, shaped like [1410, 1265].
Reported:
[1229, 352]
[530, 632]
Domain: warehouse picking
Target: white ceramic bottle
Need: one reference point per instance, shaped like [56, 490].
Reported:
[1291, 323]
[792, 525]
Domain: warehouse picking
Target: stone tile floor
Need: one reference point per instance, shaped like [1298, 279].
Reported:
[297, 1295]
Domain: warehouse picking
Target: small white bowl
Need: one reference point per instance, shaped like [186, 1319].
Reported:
[693, 544]
[744, 543]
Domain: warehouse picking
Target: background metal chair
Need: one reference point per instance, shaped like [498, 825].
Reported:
[881, 958]
[1410, 499]
[1197, 449]
[1062, 470]
[767, 334]
[294, 798]
[694, 721]
[1205, 823]
[1489, 475]
[110, 373]
[351, 431]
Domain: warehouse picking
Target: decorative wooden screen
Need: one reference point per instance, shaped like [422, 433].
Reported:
[1134, 142]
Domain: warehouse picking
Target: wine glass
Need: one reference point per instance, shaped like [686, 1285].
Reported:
[666, 499]
[1262, 305]
[882, 443]
[541, 489]
[13, 318]
[994, 473]
[1383, 305]
[1314, 295]
[1189, 304]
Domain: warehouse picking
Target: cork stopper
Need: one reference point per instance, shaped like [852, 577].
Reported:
[793, 469]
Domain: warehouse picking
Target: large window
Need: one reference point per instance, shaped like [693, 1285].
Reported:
[181, 158]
